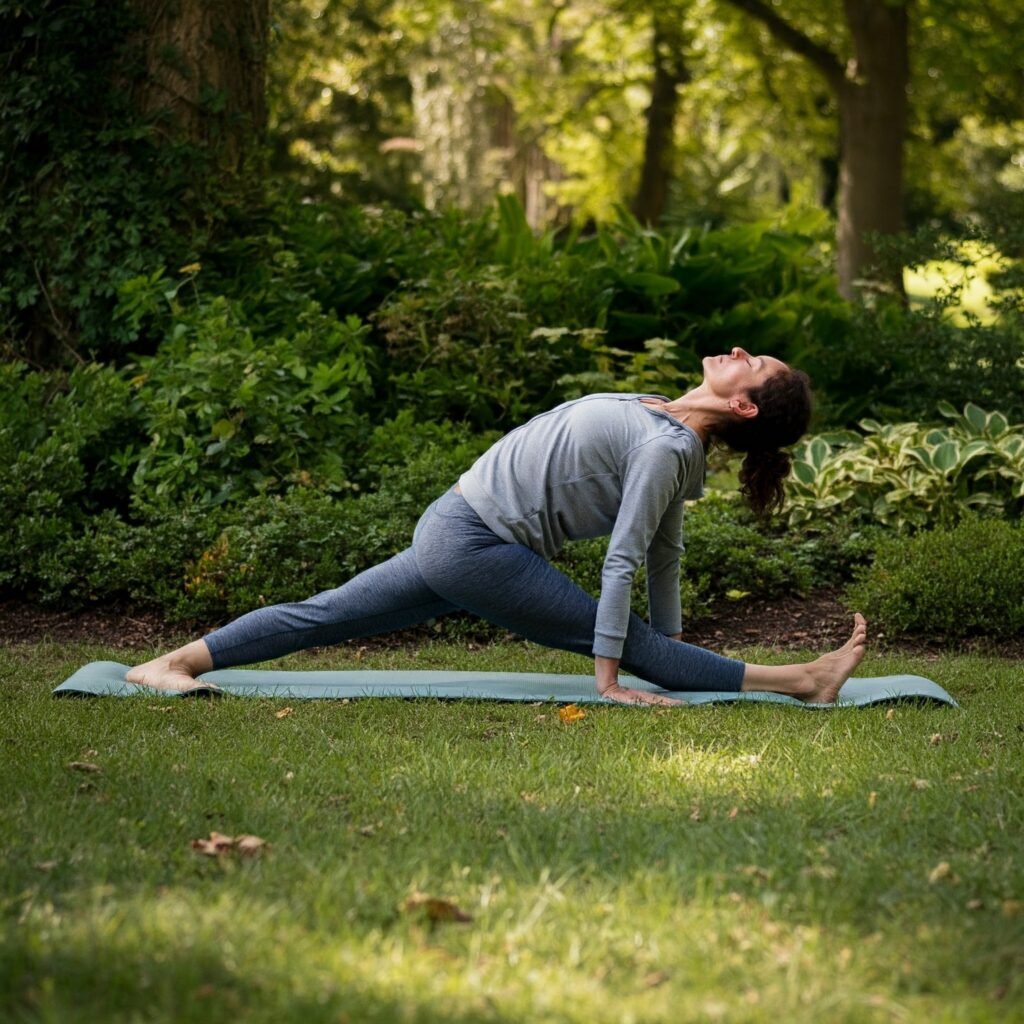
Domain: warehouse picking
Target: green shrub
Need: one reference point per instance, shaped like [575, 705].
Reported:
[726, 554]
[228, 415]
[727, 558]
[910, 474]
[894, 361]
[968, 580]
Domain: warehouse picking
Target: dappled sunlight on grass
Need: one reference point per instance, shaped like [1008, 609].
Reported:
[732, 863]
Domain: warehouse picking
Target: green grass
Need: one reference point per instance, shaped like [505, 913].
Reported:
[755, 863]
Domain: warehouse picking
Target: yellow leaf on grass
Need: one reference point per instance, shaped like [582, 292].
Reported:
[571, 713]
[941, 870]
[83, 766]
[283, 713]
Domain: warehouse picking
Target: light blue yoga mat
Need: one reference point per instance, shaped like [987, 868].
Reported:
[106, 679]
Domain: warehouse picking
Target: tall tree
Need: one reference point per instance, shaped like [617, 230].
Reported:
[871, 91]
[118, 121]
[204, 70]
[670, 72]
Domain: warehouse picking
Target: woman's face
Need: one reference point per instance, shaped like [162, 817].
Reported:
[738, 373]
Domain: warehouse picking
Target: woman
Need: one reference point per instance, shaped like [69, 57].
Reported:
[607, 464]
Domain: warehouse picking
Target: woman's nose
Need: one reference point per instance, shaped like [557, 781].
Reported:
[738, 353]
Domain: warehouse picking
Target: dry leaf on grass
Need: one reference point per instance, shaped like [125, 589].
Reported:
[83, 766]
[283, 713]
[219, 844]
[435, 909]
[571, 713]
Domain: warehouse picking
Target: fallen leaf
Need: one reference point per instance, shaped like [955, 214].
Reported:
[975, 904]
[940, 871]
[435, 909]
[46, 865]
[733, 813]
[219, 844]
[84, 766]
[890, 714]
[283, 713]
[250, 846]
[1011, 908]
[920, 784]
[935, 739]
[656, 978]
[872, 799]
[571, 713]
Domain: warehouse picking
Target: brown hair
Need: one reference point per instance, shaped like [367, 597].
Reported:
[784, 411]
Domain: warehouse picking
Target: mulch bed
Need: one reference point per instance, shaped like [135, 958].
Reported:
[817, 622]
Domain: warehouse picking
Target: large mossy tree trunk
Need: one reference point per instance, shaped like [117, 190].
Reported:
[203, 71]
[871, 91]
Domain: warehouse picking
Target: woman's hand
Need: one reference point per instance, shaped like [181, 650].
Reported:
[607, 672]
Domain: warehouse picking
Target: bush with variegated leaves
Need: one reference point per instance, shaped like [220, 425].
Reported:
[910, 474]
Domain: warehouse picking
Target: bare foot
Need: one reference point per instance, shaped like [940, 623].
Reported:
[827, 674]
[175, 672]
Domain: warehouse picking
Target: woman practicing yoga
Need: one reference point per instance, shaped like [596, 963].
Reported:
[606, 464]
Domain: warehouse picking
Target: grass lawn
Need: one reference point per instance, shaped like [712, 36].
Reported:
[727, 863]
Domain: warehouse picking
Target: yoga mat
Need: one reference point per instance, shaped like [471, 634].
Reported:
[106, 679]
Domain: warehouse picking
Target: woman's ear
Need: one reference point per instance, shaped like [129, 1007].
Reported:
[743, 407]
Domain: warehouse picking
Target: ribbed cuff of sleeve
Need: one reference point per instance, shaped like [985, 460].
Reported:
[608, 646]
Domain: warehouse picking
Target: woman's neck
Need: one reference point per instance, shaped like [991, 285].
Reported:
[692, 409]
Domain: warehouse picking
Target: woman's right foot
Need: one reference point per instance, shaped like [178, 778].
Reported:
[827, 674]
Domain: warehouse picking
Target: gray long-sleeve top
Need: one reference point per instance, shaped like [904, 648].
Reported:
[604, 464]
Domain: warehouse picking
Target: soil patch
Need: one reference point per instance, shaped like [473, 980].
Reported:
[815, 622]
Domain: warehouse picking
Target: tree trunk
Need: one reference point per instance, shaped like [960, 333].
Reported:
[872, 95]
[204, 69]
[872, 123]
[659, 143]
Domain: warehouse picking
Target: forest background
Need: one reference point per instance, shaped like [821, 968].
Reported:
[272, 274]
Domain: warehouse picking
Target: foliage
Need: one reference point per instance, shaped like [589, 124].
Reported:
[727, 558]
[57, 438]
[227, 415]
[93, 194]
[521, 302]
[954, 582]
[909, 474]
[891, 361]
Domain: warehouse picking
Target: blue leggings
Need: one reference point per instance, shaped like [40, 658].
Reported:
[457, 563]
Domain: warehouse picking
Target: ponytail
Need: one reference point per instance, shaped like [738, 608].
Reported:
[784, 412]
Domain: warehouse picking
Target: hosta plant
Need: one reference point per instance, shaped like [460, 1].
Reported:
[910, 474]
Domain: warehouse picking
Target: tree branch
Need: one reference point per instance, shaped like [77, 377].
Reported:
[789, 35]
